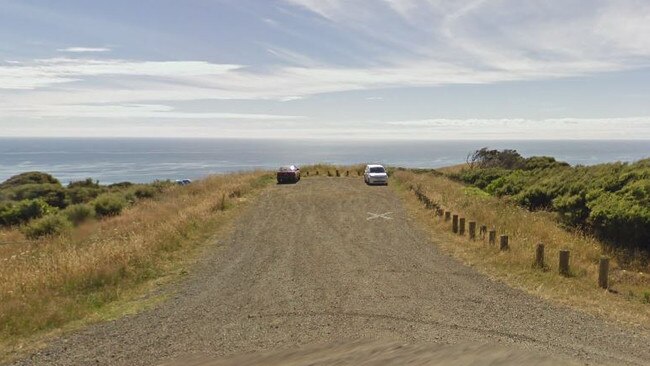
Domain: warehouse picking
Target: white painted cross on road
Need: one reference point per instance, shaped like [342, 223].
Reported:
[376, 216]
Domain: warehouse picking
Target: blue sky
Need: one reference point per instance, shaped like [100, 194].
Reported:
[405, 69]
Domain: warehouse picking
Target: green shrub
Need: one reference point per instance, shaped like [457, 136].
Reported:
[79, 213]
[120, 185]
[160, 185]
[144, 192]
[53, 194]
[82, 194]
[535, 198]
[29, 178]
[109, 205]
[572, 209]
[543, 162]
[13, 213]
[47, 225]
[611, 200]
[87, 183]
[485, 158]
[480, 178]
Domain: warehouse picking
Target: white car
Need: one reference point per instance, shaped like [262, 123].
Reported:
[375, 174]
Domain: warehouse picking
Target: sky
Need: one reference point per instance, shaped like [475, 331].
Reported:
[341, 69]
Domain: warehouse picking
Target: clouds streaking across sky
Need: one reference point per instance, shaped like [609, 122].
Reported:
[424, 69]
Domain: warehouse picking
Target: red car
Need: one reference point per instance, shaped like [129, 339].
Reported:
[288, 174]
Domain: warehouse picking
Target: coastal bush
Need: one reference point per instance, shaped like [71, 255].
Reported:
[480, 178]
[109, 204]
[120, 185]
[53, 194]
[29, 178]
[83, 194]
[87, 183]
[542, 162]
[45, 226]
[79, 213]
[13, 213]
[610, 200]
[144, 192]
[485, 158]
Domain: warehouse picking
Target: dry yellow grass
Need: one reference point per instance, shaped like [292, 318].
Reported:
[330, 170]
[452, 169]
[626, 301]
[57, 280]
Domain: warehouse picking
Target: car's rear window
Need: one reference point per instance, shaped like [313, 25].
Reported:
[377, 170]
[286, 169]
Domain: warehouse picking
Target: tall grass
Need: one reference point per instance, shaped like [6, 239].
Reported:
[52, 281]
[624, 301]
[354, 170]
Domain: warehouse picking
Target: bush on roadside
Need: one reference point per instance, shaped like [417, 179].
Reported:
[611, 200]
[46, 226]
[79, 213]
[109, 205]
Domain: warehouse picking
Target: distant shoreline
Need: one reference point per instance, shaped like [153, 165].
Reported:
[143, 160]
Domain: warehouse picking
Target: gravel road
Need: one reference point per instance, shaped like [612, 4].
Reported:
[330, 260]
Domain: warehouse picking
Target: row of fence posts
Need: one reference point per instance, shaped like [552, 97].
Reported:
[458, 227]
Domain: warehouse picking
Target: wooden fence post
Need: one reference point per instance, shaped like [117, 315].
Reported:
[447, 215]
[454, 224]
[483, 231]
[337, 173]
[539, 255]
[503, 242]
[472, 230]
[461, 223]
[307, 172]
[317, 172]
[564, 262]
[492, 237]
[347, 173]
[603, 272]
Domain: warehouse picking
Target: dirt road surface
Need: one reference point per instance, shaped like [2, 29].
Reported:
[332, 260]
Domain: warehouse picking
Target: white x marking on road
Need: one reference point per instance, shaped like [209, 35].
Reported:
[376, 216]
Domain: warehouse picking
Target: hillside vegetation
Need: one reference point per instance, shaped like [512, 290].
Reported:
[125, 235]
[610, 201]
[39, 205]
[627, 298]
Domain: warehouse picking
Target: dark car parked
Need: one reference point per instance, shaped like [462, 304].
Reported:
[288, 174]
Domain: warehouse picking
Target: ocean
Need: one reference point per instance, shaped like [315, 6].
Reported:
[113, 160]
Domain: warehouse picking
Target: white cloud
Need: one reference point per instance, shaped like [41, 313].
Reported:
[129, 111]
[46, 72]
[526, 129]
[84, 49]
[404, 43]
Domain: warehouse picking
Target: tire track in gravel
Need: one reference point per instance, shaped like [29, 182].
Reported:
[304, 266]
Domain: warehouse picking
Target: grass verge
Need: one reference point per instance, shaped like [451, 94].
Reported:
[100, 270]
[626, 300]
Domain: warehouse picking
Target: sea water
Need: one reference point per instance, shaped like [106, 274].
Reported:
[113, 160]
